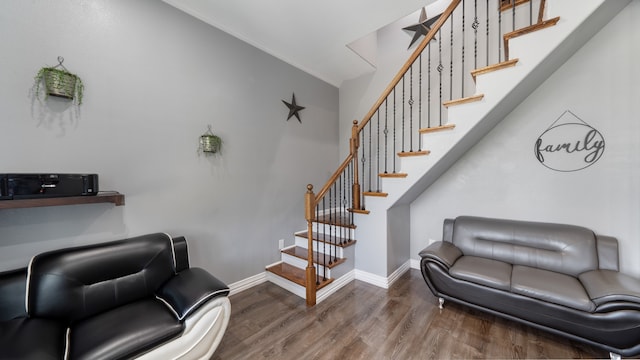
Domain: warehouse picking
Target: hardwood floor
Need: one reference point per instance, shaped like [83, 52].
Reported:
[363, 321]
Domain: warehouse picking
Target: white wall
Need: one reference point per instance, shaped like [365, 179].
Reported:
[155, 78]
[500, 176]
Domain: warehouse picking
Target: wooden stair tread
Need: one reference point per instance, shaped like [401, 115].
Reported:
[301, 253]
[295, 274]
[393, 175]
[526, 30]
[335, 240]
[494, 67]
[463, 100]
[375, 193]
[509, 5]
[413, 153]
[359, 211]
[337, 219]
[437, 128]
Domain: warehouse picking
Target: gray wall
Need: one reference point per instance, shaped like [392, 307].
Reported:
[155, 78]
[500, 176]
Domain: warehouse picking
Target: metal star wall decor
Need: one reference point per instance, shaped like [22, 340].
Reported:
[422, 27]
[294, 109]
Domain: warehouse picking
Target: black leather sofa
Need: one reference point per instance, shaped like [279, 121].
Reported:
[560, 278]
[133, 298]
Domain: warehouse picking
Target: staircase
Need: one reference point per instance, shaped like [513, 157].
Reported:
[476, 64]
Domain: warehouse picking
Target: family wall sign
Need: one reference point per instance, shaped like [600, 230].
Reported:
[569, 144]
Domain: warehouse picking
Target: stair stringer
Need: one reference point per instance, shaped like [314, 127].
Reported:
[540, 54]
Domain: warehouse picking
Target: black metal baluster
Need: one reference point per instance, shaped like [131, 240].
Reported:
[513, 15]
[394, 131]
[440, 68]
[463, 41]
[386, 133]
[499, 34]
[475, 26]
[487, 39]
[370, 126]
[363, 159]
[411, 109]
[403, 107]
[317, 244]
[530, 12]
[451, 60]
[324, 233]
[378, 152]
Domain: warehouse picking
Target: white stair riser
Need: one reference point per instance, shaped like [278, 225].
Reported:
[302, 264]
[332, 230]
[322, 248]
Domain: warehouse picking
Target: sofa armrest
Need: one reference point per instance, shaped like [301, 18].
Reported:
[441, 252]
[189, 289]
[607, 252]
[608, 286]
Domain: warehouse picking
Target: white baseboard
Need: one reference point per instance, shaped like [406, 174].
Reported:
[415, 264]
[381, 281]
[247, 283]
[373, 279]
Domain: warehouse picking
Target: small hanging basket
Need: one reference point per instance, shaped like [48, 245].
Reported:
[59, 82]
[209, 143]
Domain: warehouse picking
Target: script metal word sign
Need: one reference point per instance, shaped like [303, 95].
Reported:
[569, 144]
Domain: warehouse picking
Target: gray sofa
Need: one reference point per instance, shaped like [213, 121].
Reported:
[560, 278]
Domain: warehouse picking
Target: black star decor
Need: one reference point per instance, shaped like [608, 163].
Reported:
[422, 27]
[294, 108]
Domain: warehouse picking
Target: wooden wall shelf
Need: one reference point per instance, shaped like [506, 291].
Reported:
[103, 197]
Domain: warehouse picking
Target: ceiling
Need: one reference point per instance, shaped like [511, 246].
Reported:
[312, 36]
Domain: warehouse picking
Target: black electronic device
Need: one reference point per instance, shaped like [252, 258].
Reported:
[29, 186]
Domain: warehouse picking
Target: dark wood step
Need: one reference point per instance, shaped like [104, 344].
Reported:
[335, 240]
[337, 219]
[359, 211]
[326, 260]
[296, 275]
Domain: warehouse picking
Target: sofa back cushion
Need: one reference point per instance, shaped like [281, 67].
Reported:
[567, 249]
[75, 283]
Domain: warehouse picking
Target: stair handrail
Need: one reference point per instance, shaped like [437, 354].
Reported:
[412, 59]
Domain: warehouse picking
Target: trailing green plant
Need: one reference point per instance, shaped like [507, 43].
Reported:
[60, 83]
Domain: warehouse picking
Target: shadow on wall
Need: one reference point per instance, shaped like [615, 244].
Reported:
[21, 230]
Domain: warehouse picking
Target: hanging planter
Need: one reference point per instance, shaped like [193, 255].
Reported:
[209, 143]
[59, 82]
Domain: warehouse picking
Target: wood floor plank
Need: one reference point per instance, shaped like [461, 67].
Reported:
[362, 321]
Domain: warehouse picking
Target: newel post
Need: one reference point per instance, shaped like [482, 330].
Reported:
[355, 144]
[309, 205]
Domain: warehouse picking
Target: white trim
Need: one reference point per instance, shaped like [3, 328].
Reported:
[173, 253]
[247, 283]
[415, 264]
[381, 281]
[335, 285]
[26, 293]
[67, 344]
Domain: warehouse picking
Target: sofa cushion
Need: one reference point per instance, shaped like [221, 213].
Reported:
[605, 286]
[550, 286]
[124, 332]
[76, 283]
[561, 248]
[32, 339]
[488, 272]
